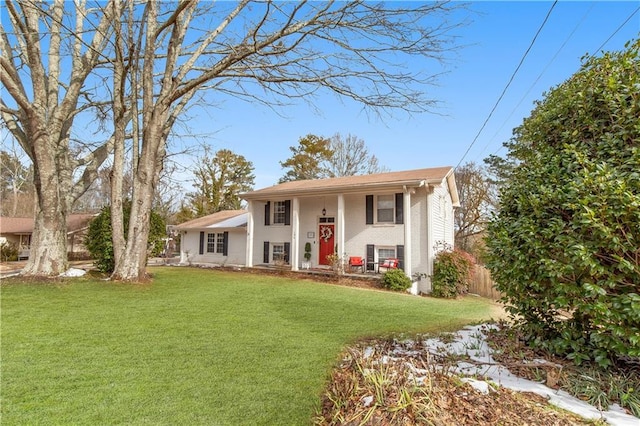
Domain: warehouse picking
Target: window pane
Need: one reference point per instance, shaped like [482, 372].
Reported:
[211, 243]
[385, 205]
[386, 253]
[278, 212]
[220, 243]
[278, 252]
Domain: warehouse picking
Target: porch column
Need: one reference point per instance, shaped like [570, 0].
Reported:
[340, 226]
[406, 211]
[183, 243]
[249, 251]
[295, 232]
[430, 240]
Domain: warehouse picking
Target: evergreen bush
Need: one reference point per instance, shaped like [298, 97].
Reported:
[8, 252]
[396, 279]
[99, 240]
[564, 245]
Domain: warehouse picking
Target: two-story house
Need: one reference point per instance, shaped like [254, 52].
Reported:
[403, 215]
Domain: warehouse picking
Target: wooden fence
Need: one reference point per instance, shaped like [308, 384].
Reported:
[482, 284]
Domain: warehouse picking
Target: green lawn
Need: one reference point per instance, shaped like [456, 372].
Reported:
[194, 347]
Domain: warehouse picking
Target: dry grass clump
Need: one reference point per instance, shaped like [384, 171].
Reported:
[388, 382]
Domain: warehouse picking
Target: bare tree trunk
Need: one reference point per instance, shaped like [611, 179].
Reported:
[48, 251]
[132, 264]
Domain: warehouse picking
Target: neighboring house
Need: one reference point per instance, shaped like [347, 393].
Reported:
[220, 238]
[403, 215]
[18, 230]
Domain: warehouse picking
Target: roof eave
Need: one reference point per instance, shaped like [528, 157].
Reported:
[342, 189]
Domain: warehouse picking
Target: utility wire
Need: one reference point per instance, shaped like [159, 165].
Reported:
[616, 31]
[597, 50]
[584, 17]
[508, 84]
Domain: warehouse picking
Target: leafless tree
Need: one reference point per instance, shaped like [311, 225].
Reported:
[476, 192]
[47, 55]
[350, 156]
[16, 187]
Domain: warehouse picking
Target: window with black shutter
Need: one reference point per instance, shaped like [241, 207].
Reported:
[399, 208]
[265, 254]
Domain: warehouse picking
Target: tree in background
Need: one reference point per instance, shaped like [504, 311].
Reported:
[317, 157]
[476, 193]
[16, 180]
[565, 244]
[307, 159]
[349, 157]
[218, 181]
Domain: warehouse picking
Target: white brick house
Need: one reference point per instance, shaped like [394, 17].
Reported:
[399, 215]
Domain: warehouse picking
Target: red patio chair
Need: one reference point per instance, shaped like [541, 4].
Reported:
[356, 262]
[389, 264]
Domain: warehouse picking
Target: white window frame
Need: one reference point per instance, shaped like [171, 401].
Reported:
[385, 249]
[211, 242]
[279, 213]
[220, 243]
[277, 255]
[387, 198]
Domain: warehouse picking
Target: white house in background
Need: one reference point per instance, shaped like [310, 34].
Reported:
[220, 238]
[399, 215]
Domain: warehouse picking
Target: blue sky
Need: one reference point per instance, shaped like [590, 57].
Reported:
[494, 43]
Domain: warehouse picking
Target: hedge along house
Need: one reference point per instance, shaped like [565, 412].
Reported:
[401, 215]
[219, 238]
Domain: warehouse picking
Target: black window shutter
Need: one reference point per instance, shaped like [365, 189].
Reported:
[371, 255]
[225, 244]
[265, 255]
[287, 249]
[400, 256]
[267, 213]
[287, 212]
[399, 208]
[202, 243]
[369, 204]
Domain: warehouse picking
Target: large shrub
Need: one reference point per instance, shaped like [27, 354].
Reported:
[452, 274]
[396, 279]
[99, 237]
[8, 251]
[565, 245]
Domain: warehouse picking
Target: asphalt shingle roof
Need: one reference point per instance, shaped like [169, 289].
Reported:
[352, 183]
[212, 219]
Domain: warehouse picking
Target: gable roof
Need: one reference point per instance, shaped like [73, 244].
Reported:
[24, 225]
[413, 178]
[223, 219]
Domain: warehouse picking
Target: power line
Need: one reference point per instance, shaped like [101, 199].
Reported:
[509, 83]
[584, 17]
[597, 50]
[617, 29]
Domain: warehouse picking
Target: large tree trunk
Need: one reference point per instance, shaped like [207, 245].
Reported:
[48, 251]
[132, 264]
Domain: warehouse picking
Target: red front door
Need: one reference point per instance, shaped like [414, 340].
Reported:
[326, 238]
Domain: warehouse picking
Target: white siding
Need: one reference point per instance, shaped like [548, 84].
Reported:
[236, 248]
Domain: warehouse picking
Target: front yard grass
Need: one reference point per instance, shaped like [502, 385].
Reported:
[194, 347]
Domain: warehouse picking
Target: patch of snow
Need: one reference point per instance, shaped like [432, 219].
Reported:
[478, 385]
[368, 352]
[471, 341]
[73, 272]
[366, 400]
